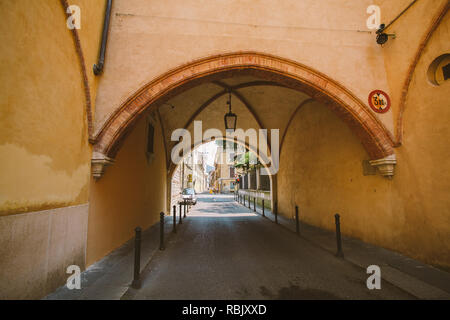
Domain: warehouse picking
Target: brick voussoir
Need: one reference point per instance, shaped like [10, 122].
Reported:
[351, 110]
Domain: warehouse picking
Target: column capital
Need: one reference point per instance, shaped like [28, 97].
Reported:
[385, 165]
[99, 162]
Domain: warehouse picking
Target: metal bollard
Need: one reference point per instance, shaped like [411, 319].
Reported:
[339, 253]
[254, 204]
[137, 259]
[297, 222]
[161, 231]
[185, 208]
[263, 208]
[174, 219]
[249, 200]
[181, 219]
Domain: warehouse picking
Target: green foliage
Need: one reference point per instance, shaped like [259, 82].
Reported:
[243, 161]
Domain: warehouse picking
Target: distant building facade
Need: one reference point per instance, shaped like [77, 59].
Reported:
[224, 177]
[190, 173]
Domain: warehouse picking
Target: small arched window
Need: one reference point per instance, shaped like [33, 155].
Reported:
[446, 71]
[439, 70]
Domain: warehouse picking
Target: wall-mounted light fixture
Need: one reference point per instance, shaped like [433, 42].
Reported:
[383, 37]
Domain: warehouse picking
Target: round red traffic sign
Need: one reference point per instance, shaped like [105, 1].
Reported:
[379, 101]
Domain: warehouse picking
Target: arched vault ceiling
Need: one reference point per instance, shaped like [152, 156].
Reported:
[212, 116]
[186, 104]
[257, 103]
[274, 105]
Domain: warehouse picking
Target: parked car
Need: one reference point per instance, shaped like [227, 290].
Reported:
[188, 195]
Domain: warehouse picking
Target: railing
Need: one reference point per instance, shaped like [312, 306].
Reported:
[259, 194]
[244, 199]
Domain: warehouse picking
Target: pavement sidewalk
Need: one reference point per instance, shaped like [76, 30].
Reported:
[418, 279]
[110, 278]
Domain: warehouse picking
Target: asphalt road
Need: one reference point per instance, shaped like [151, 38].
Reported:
[225, 251]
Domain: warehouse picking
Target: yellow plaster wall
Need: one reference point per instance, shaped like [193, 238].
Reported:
[321, 171]
[411, 213]
[422, 181]
[131, 193]
[92, 19]
[44, 149]
[148, 38]
[410, 30]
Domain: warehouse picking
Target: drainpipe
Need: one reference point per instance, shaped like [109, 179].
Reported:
[98, 68]
[400, 14]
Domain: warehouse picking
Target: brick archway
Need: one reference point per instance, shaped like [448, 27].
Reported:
[375, 138]
[272, 178]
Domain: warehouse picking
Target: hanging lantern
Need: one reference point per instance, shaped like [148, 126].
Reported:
[230, 118]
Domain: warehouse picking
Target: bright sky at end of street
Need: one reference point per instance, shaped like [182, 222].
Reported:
[209, 149]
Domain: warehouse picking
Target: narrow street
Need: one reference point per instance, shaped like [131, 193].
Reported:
[226, 251]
